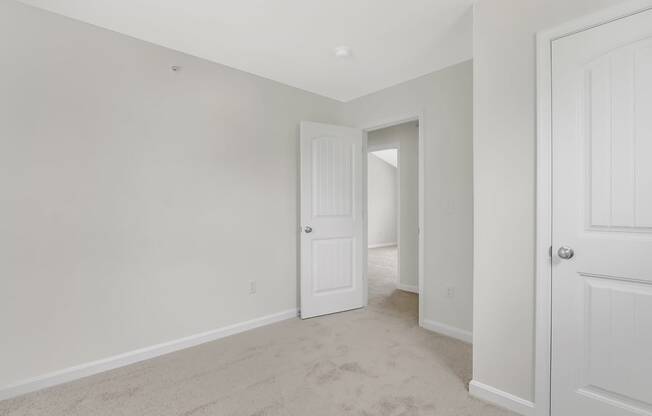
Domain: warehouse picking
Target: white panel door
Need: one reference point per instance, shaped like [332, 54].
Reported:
[602, 210]
[332, 243]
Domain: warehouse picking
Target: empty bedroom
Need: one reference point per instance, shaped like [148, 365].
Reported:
[300, 207]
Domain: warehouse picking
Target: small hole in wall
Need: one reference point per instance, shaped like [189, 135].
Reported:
[175, 68]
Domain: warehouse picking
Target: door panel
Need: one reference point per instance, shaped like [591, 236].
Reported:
[619, 331]
[333, 266]
[332, 207]
[602, 209]
[332, 173]
[618, 109]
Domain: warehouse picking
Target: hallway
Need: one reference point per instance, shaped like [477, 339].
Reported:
[384, 298]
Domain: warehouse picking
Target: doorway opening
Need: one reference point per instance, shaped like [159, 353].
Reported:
[392, 200]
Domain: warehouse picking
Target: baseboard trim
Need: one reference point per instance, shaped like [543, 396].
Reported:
[382, 245]
[408, 288]
[131, 357]
[500, 398]
[449, 331]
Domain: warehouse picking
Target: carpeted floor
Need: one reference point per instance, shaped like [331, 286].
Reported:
[373, 362]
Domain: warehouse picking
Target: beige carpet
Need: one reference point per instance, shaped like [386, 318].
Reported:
[367, 362]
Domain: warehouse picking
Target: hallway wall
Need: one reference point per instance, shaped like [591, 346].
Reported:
[382, 202]
[406, 136]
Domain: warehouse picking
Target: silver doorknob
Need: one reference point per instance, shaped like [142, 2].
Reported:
[565, 253]
[308, 229]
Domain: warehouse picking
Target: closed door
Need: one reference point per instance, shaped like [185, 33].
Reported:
[602, 220]
[332, 243]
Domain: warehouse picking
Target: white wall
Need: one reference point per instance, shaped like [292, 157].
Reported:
[445, 99]
[405, 135]
[137, 203]
[504, 150]
[382, 202]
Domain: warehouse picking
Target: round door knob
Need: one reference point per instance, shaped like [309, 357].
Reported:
[308, 229]
[565, 253]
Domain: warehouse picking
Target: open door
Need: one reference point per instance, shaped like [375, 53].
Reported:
[332, 238]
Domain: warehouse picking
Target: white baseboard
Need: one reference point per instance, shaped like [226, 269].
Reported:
[450, 331]
[500, 398]
[408, 288]
[121, 360]
[382, 245]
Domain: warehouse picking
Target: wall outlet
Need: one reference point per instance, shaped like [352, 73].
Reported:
[252, 287]
[450, 293]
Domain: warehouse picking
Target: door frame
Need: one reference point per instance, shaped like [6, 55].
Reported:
[397, 147]
[543, 260]
[390, 122]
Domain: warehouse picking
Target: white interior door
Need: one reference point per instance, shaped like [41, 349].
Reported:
[602, 209]
[332, 240]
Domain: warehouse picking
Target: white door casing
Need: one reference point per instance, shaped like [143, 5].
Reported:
[601, 361]
[332, 253]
